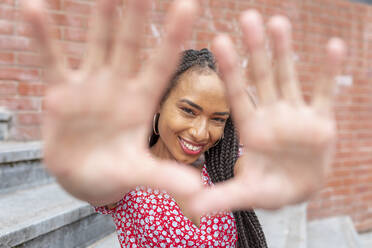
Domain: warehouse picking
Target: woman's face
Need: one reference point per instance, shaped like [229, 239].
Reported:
[192, 118]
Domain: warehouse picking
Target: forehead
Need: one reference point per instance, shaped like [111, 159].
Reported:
[203, 88]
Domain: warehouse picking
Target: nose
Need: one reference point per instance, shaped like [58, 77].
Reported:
[199, 131]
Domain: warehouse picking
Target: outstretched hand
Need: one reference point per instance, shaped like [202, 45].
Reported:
[97, 118]
[288, 144]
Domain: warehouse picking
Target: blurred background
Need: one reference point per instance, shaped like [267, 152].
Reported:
[348, 191]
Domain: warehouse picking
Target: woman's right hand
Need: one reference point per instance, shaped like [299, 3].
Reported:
[97, 118]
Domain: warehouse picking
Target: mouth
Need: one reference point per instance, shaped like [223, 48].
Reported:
[189, 148]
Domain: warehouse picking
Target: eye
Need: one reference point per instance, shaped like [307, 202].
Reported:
[219, 120]
[188, 111]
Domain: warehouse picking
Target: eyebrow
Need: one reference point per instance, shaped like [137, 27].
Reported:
[200, 108]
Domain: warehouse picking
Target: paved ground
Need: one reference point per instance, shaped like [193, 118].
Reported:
[110, 241]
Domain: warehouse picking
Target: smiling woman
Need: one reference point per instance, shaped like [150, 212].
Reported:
[96, 143]
[193, 118]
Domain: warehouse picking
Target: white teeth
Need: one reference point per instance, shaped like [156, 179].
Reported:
[191, 147]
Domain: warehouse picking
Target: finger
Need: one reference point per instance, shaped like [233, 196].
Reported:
[280, 30]
[33, 12]
[323, 93]
[222, 197]
[254, 38]
[267, 193]
[231, 73]
[100, 37]
[129, 40]
[162, 65]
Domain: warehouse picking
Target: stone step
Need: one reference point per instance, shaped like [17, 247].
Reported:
[21, 167]
[110, 241]
[366, 239]
[46, 216]
[335, 232]
[14, 152]
[284, 228]
[22, 175]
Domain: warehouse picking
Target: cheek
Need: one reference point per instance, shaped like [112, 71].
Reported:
[170, 124]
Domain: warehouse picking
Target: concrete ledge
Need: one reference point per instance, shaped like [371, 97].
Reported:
[5, 115]
[28, 214]
[21, 175]
[335, 232]
[15, 152]
[78, 234]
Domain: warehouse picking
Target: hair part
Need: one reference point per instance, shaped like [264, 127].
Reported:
[201, 62]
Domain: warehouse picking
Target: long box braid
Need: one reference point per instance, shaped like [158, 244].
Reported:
[220, 161]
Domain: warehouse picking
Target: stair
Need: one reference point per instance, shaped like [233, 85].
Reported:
[287, 228]
[35, 211]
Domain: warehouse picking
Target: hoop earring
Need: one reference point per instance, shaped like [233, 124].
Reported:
[154, 123]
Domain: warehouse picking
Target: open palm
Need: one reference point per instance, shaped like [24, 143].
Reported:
[288, 144]
[97, 119]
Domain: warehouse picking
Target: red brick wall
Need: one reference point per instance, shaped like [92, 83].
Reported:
[348, 190]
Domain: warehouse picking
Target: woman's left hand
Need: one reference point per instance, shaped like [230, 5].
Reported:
[288, 144]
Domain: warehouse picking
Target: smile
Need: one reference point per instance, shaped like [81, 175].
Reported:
[190, 148]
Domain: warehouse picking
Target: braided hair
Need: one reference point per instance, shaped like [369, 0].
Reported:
[221, 158]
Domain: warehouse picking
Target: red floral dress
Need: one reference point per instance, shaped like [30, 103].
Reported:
[151, 218]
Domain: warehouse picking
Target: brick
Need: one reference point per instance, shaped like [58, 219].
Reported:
[17, 104]
[8, 88]
[75, 34]
[203, 24]
[6, 58]
[67, 19]
[7, 2]
[25, 29]
[31, 89]
[16, 43]
[205, 36]
[27, 59]
[28, 118]
[201, 45]
[224, 26]
[72, 48]
[76, 7]
[6, 27]
[19, 74]
[7, 13]
[53, 4]
[27, 133]
[223, 4]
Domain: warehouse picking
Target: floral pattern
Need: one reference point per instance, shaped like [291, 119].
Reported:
[151, 218]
